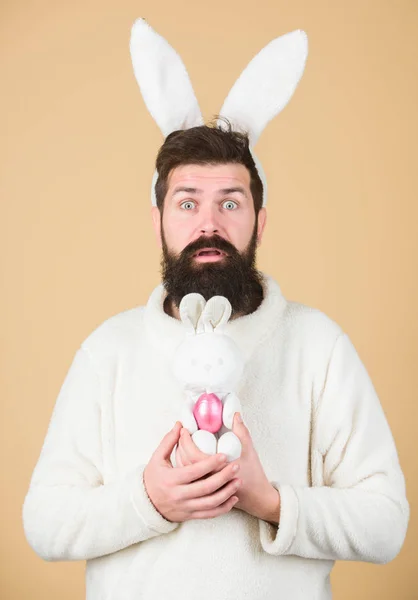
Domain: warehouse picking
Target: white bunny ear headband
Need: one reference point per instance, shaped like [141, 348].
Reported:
[261, 91]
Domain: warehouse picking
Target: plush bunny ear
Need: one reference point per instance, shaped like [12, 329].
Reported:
[191, 308]
[216, 314]
[163, 80]
[266, 85]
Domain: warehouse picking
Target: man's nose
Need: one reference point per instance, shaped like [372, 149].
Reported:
[209, 223]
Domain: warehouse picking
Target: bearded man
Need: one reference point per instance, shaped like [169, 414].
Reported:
[318, 479]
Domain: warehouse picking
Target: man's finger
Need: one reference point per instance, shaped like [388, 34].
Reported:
[179, 460]
[183, 455]
[190, 473]
[189, 447]
[167, 444]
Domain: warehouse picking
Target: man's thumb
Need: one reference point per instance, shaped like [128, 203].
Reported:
[169, 441]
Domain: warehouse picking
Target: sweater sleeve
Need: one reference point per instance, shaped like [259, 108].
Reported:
[68, 512]
[357, 509]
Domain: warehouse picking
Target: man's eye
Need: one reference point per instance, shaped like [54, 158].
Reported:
[186, 205]
[230, 204]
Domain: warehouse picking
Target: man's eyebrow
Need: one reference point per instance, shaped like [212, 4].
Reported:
[223, 191]
[231, 190]
[189, 190]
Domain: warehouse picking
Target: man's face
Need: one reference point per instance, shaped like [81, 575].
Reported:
[209, 233]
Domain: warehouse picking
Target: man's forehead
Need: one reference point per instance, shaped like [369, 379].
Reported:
[227, 175]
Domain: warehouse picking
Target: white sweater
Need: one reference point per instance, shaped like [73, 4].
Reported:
[315, 421]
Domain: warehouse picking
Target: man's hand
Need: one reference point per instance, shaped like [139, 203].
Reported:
[196, 491]
[256, 495]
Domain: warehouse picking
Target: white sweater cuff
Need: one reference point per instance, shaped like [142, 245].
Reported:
[277, 539]
[145, 509]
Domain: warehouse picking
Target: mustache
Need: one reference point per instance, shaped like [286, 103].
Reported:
[215, 241]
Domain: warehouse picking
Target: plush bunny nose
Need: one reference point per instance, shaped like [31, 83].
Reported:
[208, 367]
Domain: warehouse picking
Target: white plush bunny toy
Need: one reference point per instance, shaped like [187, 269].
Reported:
[208, 364]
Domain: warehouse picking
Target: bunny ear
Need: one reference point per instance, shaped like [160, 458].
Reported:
[216, 314]
[163, 80]
[266, 85]
[191, 308]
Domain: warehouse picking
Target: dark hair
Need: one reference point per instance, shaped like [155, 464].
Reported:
[210, 144]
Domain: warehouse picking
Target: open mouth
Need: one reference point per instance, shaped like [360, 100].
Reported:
[209, 252]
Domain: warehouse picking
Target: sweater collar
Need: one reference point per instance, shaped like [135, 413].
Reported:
[248, 331]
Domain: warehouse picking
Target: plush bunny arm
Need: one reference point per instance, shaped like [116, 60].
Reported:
[267, 84]
[187, 418]
[232, 405]
[68, 512]
[163, 80]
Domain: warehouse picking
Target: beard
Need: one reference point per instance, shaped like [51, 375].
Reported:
[235, 276]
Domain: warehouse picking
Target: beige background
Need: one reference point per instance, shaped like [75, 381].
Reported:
[76, 239]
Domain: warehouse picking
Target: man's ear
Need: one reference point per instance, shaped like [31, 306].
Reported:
[156, 222]
[262, 218]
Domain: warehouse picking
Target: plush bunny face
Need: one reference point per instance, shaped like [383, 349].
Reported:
[207, 359]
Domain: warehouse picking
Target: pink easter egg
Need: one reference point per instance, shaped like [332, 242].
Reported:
[208, 412]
